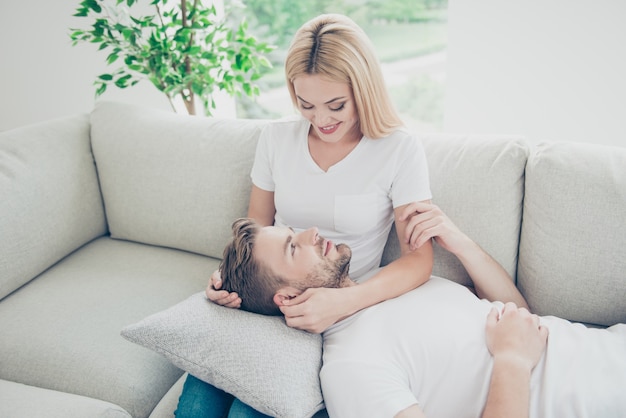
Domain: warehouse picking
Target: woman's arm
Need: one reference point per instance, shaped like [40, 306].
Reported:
[491, 281]
[318, 308]
[262, 210]
[261, 207]
[412, 269]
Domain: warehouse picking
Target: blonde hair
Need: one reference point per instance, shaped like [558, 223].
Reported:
[333, 46]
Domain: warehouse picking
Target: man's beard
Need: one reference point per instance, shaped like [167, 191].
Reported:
[333, 273]
[343, 262]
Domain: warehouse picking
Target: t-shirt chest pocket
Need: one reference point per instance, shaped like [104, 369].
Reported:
[357, 214]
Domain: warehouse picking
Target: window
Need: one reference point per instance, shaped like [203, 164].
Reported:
[409, 37]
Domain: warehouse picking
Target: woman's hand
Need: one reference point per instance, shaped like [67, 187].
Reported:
[428, 221]
[314, 310]
[221, 297]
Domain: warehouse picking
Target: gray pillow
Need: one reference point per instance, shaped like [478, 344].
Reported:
[259, 359]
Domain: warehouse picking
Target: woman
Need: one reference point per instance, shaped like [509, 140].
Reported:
[345, 165]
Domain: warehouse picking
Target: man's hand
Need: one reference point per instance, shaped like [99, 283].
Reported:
[491, 281]
[221, 297]
[516, 341]
[516, 335]
[428, 221]
[314, 310]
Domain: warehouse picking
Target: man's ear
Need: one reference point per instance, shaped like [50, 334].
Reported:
[285, 293]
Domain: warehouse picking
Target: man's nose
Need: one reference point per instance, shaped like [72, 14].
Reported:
[309, 236]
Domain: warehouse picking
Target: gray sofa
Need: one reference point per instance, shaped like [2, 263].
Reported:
[111, 216]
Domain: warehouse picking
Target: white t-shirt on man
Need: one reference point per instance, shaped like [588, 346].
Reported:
[428, 347]
[353, 201]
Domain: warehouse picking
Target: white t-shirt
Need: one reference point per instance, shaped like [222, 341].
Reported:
[427, 347]
[353, 201]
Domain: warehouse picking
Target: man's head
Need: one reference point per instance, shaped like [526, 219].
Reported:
[266, 265]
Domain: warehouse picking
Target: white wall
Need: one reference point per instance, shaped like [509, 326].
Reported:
[42, 76]
[547, 69]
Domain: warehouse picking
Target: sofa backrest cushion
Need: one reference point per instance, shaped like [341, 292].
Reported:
[172, 180]
[572, 260]
[478, 181]
[50, 202]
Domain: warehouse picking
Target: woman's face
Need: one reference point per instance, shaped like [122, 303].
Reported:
[329, 106]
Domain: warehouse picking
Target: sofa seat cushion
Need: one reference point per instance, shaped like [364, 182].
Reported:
[61, 331]
[23, 401]
[573, 238]
[169, 403]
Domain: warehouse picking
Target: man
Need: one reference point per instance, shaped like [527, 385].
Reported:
[435, 351]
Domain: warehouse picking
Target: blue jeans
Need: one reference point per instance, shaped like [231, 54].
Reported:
[200, 399]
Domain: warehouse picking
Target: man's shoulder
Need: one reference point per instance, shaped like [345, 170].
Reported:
[421, 299]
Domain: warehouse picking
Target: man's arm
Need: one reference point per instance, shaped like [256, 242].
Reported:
[516, 341]
[412, 411]
[490, 279]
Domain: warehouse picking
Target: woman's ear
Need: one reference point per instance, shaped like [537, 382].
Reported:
[284, 294]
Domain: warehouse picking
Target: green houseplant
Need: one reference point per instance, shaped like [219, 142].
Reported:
[184, 49]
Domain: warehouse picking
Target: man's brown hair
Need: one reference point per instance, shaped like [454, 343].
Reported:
[241, 272]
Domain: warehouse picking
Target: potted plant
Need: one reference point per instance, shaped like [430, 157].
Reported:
[184, 49]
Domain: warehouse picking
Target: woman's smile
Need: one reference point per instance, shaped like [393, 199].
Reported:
[329, 129]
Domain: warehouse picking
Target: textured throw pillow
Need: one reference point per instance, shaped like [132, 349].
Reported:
[259, 359]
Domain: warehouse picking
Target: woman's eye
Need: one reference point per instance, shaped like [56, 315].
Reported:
[337, 109]
[306, 107]
[293, 249]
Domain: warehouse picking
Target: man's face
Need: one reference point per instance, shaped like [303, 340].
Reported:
[304, 259]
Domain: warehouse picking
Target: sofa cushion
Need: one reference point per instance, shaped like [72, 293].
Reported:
[478, 181]
[61, 331]
[22, 401]
[259, 359]
[172, 180]
[573, 241]
[50, 200]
